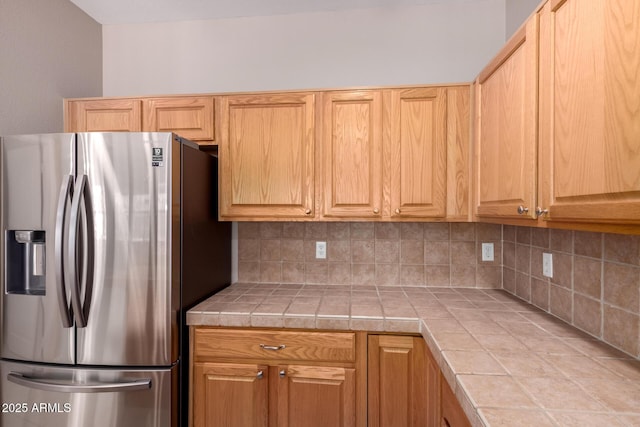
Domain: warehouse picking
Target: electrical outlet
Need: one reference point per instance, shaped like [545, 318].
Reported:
[487, 251]
[547, 264]
[321, 250]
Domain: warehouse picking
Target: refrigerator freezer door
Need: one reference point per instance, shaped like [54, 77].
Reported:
[40, 396]
[133, 299]
[35, 311]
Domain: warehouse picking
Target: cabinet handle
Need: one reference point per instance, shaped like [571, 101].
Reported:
[376, 211]
[260, 375]
[273, 347]
[445, 422]
[398, 211]
[540, 211]
[522, 210]
[282, 373]
[307, 211]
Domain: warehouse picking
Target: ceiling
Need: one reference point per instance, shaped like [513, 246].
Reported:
[142, 11]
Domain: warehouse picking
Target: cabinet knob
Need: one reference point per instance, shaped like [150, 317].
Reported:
[540, 211]
[260, 375]
[376, 211]
[307, 211]
[398, 211]
[282, 373]
[522, 210]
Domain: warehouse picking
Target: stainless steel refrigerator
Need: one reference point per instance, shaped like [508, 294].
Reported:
[108, 238]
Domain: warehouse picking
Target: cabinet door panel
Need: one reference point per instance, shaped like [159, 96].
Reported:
[506, 128]
[316, 396]
[230, 395]
[400, 383]
[352, 154]
[416, 119]
[267, 156]
[590, 110]
[190, 117]
[104, 115]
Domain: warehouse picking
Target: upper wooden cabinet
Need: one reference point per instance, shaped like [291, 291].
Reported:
[191, 117]
[590, 111]
[396, 154]
[506, 120]
[558, 120]
[415, 125]
[267, 156]
[103, 115]
[352, 154]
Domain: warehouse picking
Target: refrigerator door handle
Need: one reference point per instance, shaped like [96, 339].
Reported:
[66, 190]
[47, 384]
[80, 308]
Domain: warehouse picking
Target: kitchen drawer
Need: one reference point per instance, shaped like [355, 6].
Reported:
[212, 343]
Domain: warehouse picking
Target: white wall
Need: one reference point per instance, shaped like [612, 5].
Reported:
[49, 50]
[432, 43]
[517, 11]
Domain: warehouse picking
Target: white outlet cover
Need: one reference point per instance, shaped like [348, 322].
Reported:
[487, 252]
[547, 264]
[321, 250]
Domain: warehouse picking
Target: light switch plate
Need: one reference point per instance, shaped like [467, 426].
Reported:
[321, 250]
[487, 251]
[547, 264]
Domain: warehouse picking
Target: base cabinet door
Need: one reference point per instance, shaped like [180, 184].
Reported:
[400, 383]
[451, 412]
[316, 396]
[230, 395]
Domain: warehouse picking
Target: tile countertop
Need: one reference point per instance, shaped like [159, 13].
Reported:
[507, 362]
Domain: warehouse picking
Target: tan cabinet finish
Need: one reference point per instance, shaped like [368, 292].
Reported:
[401, 382]
[190, 117]
[590, 110]
[103, 115]
[277, 378]
[267, 156]
[227, 394]
[451, 413]
[415, 127]
[506, 119]
[352, 154]
[315, 396]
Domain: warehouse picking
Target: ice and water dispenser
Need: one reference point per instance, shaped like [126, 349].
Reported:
[25, 262]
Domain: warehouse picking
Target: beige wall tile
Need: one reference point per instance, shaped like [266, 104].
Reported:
[561, 302]
[540, 293]
[587, 276]
[622, 248]
[270, 230]
[561, 240]
[436, 231]
[293, 230]
[292, 272]
[463, 253]
[248, 249]
[412, 252]
[363, 251]
[270, 250]
[437, 275]
[588, 244]
[436, 252]
[292, 250]
[412, 231]
[461, 231]
[621, 284]
[387, 251]
[387, 230]
[620, 328]
[562, 270]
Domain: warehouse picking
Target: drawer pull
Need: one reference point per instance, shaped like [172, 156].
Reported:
[273, 347]
[282, 373]
[260, 375]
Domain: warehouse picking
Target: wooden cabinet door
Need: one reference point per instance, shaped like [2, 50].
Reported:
[415, 123]
[103, 115]
[401, 382]
[267, 156]
[506, 118]
[316, 396]
[352, 154]
[230, 395]
[452, 414]
[590, 110]
[190, 117]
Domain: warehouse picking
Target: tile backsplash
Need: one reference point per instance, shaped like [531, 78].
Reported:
[595, 284]
[365, 253]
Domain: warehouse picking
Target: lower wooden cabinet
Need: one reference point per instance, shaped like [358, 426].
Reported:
[398, 382]
[285, 378]
[276, 378]
[231, 395]
[451, 413]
